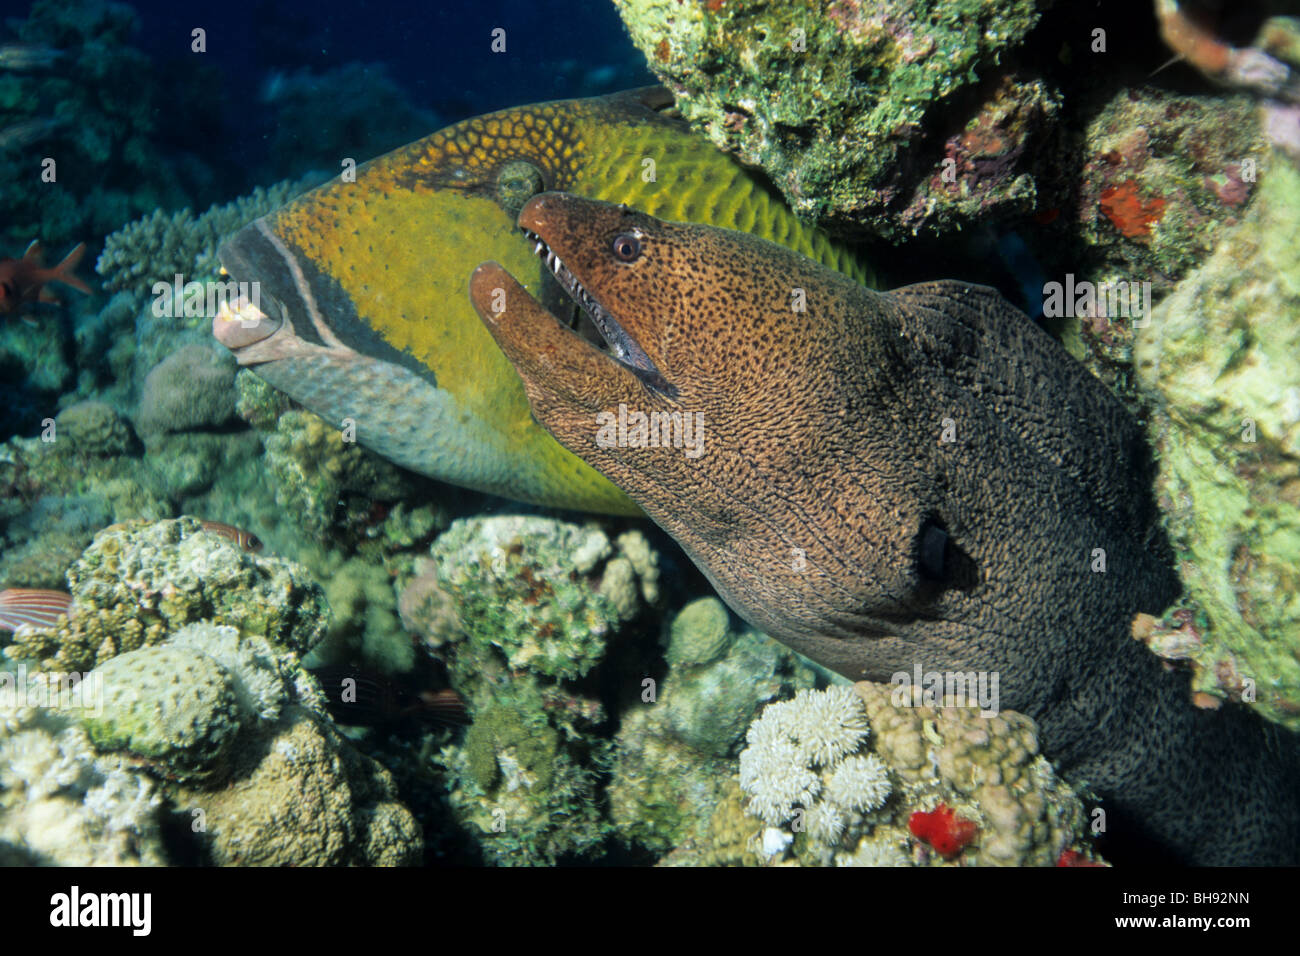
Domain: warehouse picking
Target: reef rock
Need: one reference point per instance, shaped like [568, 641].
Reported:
[139, 581]
[836, 102]
[1220, 358]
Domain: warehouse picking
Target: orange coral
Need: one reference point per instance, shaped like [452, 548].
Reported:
[1128, 212]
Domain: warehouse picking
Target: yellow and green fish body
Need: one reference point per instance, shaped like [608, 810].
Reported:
[361, 311]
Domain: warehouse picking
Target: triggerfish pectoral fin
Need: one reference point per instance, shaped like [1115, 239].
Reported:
[363, 312]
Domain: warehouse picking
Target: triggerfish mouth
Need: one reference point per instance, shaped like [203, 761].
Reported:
[362, 311]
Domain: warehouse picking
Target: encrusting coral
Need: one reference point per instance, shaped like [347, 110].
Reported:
[1219, 362]
[838, 102]
[141, 580]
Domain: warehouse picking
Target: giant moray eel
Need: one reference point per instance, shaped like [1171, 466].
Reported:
[920, 476]
[363, 312]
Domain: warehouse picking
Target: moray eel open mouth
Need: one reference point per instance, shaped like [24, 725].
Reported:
[621, 346]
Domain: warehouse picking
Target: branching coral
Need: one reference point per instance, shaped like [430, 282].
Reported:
[162, 245]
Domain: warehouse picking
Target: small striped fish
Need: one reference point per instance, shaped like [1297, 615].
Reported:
[32, 607]
[245, 539]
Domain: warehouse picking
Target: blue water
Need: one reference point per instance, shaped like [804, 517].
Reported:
[439, 54]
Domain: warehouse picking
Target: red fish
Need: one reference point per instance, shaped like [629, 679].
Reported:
[23, 281]
[244, 539]
[32, 607]
[942, 829]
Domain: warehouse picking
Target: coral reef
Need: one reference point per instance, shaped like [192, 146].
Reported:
[192, 388]
[537, 605]
[62, 804]
[93, 428]
[838, 775]
[1219, 358]
[216, 729]
[545, 595]
[141, 580]
[802, 767]
[313, 467]
[162, 245]
[302, 796]
[171, 706]
[673, 757]
[838, 103]
[530, 795]
[364, 624]
[1163, 173]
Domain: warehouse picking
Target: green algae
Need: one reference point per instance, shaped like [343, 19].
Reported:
[1221, 359]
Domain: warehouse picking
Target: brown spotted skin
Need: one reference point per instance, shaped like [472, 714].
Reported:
[837, 439]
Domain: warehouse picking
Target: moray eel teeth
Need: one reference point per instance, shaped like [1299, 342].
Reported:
[622, 346]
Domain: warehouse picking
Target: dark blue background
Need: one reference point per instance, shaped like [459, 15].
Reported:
[439, 52]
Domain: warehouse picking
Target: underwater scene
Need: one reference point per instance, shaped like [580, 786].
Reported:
[827, 433]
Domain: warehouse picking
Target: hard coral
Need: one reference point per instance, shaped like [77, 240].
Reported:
[140, 580]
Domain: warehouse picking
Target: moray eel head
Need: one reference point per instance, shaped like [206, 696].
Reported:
[861, 474]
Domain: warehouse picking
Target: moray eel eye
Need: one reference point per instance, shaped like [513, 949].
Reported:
[518, 182]
[626, 247]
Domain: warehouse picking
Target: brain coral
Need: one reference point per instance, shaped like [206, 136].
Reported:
[140, 580]
[169, 705]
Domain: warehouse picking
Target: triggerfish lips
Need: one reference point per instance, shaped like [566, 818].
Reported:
[241, 322]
